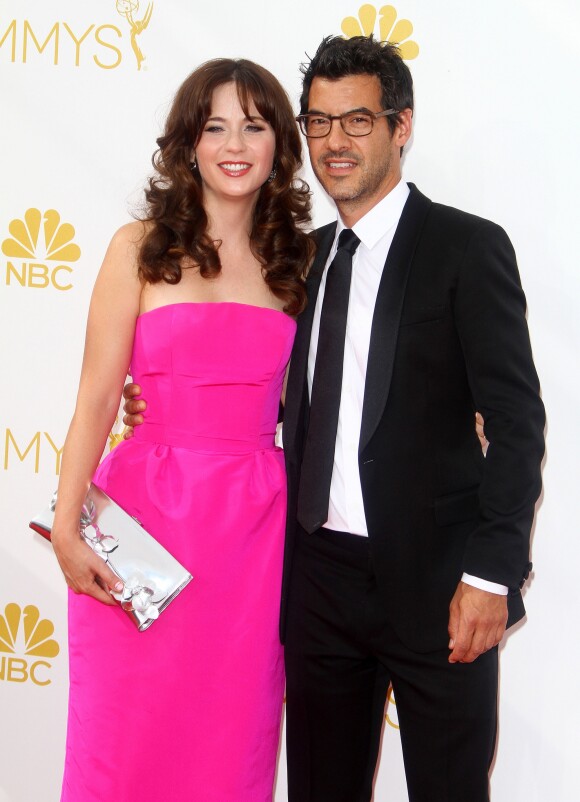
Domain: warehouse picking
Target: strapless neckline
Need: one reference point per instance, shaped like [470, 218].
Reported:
[235, 304]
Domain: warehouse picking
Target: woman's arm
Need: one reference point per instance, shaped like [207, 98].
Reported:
[109, 340]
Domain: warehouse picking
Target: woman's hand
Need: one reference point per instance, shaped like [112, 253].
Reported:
[84, 571]
[133, 408]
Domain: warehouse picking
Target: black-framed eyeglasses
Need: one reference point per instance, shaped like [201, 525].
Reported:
[358, 122]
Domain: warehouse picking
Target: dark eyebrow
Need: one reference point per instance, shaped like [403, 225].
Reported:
[348, 111]
[223, 120]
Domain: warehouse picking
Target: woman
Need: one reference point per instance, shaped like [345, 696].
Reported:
[199, 300]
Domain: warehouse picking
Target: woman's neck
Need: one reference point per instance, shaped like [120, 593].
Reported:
[229, 221]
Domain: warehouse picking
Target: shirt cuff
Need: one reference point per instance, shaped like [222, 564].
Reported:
[484, 584]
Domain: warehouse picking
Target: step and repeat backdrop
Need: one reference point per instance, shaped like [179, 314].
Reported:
[84, 91]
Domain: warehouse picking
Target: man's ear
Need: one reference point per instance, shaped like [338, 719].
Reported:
[404, 128]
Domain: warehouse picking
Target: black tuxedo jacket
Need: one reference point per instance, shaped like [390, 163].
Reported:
[449, 336]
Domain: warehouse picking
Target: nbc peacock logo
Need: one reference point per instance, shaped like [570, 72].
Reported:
[44, 248]
[24, 633]
[390, 29]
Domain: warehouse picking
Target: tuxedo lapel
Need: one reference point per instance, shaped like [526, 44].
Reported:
[296, 389]
[387, 313]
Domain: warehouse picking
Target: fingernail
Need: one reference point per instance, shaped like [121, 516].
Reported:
[119, 587]
[451, 643]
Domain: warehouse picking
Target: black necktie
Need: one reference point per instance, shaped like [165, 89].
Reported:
[318, 460]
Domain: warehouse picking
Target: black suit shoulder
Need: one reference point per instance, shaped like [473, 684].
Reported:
[460, 224]
[458, 242]
[448, 219]
[320, 233]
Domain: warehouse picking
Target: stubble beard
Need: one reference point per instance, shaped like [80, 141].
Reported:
[349, 193]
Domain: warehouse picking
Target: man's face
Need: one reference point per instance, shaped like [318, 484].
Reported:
[357, 172]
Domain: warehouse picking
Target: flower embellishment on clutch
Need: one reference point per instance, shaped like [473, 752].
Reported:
[137, 597]
[100, 543]
[152, 578]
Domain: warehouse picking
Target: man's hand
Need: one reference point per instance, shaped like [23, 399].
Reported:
[133, 409]
[477, 620]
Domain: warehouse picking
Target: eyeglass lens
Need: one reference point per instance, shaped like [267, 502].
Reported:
[353, 123]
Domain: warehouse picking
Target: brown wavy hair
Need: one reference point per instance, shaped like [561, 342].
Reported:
[179, 223]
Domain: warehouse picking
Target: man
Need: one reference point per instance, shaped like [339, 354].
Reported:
[406, 549]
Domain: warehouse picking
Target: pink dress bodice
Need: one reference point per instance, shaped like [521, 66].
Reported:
[212, 374]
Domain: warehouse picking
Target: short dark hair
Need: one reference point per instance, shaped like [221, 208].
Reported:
[361, 55]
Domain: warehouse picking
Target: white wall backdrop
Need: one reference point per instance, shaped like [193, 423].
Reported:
[496, 133]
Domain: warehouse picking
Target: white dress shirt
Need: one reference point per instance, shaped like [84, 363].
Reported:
[375, 231]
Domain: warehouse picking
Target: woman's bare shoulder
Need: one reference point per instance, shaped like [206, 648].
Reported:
[126, 242]
[122, 256]
[131, 235]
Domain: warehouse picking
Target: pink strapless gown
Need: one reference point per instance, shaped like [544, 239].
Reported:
[189, 711]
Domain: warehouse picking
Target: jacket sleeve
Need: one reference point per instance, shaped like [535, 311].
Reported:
[490, 315]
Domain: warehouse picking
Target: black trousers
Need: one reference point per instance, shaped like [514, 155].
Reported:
[341, 654]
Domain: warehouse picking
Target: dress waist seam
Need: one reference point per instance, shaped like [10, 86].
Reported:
[163, 435]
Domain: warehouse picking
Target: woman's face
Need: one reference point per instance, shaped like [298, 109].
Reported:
[235, 154]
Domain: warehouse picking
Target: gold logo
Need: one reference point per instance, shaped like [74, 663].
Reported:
[41, 448]
[36, 445]
[390, 29]
[24, 632]
[391, 701]
[77, 44]
[128, 9]
[37, 633]
[41, 238]
[58, 243]
[116, 436]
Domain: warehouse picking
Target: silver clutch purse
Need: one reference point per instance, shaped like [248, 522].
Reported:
[151, 576]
